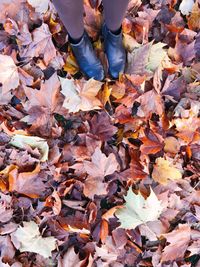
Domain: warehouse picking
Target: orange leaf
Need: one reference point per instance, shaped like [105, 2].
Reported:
[104, 230]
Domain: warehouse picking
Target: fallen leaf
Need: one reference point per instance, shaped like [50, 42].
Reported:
[186, 6]
[40, 6]
[172, 145]
[164, 171]
[101, 165]
[80, 96]
[138, 210]
[31, 240]
[94, 186]
[9, 76]
[70, 259]
[27, 183]
[41, 45]
[179, 240]
[21, 141]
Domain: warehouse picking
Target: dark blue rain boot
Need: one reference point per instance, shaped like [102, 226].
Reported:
[86, 58]
[115, 51]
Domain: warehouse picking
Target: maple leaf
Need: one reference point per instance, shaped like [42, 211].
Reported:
[100, 125]
[186, 6]
[70, 259]
[101, 165]
[9, 76]
[12, 9]
[31, 240]
[40, 6]
[194, 18]
[21, 141]
[179, 240]
[164, 171]
[94, 186]
[146, 59]
[147, 107]
[139, 210]
[27, 183]
[42, 104]
[41, 45]
[80, 96]
[152, 143]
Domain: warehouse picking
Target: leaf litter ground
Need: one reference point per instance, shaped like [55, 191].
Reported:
[106, 174]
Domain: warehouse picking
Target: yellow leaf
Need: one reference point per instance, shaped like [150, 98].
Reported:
[163, 171]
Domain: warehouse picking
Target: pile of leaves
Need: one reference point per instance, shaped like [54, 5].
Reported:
[100, 173]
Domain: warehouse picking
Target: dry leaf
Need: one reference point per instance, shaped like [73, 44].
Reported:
[9, 76]
[164, 171]
[80, 96]
[30, 240]
[138, 210]
[21, 141]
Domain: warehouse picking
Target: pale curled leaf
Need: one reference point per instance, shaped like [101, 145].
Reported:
[21, 141]
[40, 6]
[139, 210]
[31, 240]
[9, 76]
[186, 6]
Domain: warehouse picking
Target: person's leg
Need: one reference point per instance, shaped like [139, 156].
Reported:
[71, 14]
[114, 12]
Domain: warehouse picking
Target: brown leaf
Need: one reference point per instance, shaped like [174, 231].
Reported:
[26, 183]
[100, 125]
[152, 143]
[41, 45]
[179, 240]
[94, 186]
[148, 107]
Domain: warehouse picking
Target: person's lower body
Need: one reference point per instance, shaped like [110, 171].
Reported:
[71, 14]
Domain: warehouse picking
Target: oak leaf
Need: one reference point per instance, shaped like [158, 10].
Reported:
[164, 171]
[30, 240]
[139, 210]
[80, 96]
